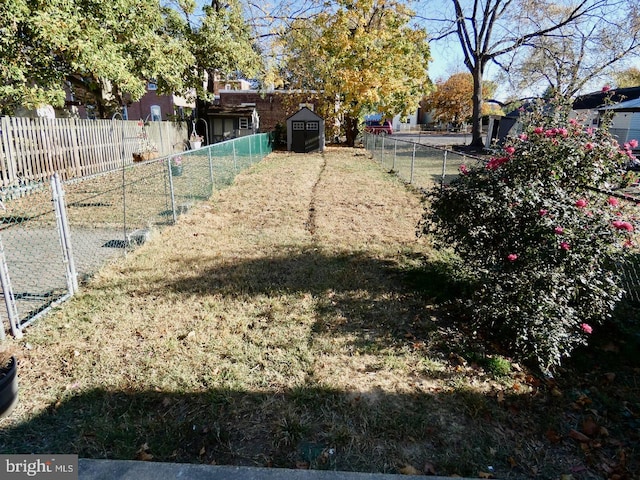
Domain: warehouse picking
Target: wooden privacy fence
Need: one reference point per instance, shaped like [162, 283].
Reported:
[33, 149]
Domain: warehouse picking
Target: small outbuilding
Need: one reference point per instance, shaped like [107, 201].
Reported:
[305, 132]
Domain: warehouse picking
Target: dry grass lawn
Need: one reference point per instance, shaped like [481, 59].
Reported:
[279, 325]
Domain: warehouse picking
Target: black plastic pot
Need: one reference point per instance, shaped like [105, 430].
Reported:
[8, 387]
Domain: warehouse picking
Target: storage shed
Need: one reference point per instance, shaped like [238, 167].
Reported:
[305, 132]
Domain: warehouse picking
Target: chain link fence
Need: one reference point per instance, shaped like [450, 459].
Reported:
[54, 236]
[426, 166]
[423, 166]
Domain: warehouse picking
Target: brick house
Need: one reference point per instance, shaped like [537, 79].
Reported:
[231, 114]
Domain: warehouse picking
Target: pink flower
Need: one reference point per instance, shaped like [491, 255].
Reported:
[524, 137]
[464, 170]
[551, 132]
[581, 203]
[628, 243]
[620, 225]
[543, 212]
[495, 163]
[633, 143]
[512, 257]
[510, 150]
[565, 246]
[586, 328]
[589, 146]
[538, 130]
[613, 201]
[573, 122]
[558, 230]
[605, 89]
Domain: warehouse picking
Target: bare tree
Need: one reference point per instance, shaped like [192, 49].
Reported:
[575, 56]
[489, 30]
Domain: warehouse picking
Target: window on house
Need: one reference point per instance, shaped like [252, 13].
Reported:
[313, 126]
[156, 113]
[244, 123]
[152, 86]
[297, 125]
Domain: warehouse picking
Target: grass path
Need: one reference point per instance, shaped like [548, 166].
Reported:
[275, 325]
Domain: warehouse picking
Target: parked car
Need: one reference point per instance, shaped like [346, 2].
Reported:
[378, 128]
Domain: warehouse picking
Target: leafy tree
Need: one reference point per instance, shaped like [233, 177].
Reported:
[108, 51]
[627, 78]
[487, 30]
[362, 56]
[106, 48]
[451, 99]
[220, 41]
[541, 243]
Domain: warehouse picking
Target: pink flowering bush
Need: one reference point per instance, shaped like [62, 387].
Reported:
[541, 241]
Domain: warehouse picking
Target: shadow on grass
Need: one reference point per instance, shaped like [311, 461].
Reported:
[378, 301]
[443, 421]
[308, 427]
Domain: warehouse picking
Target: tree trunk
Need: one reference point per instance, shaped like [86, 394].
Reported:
[350, 130]
[476, 117]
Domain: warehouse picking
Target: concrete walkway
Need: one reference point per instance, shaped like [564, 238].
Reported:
[135, 470]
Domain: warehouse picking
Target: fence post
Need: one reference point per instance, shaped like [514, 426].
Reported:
[64, 233]
[174, 213]
[413, 161]
[235, 161]
[395, 153]
[382, 152]
[210, 167]
[444, 168]
[9, 299]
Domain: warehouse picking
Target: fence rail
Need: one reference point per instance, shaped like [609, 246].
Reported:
[61, 233]
[33, 149]
[426, 166]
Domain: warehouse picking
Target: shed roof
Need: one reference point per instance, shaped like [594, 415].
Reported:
[305, 114]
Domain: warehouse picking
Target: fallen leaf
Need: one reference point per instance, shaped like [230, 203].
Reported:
[144, 456]
[300, 465]
[556, 392]
[576, 435]
[429, 469]
[143, 453]
[203, 451]
[484, 475]
[409, 470]
[500, 396]
[589, 426]
[566, 476]
[512, 462]
[553, 436]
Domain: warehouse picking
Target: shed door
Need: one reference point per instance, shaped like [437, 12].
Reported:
[298, 136]
[312, 138]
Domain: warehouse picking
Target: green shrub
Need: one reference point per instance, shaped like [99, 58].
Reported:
[542, 245]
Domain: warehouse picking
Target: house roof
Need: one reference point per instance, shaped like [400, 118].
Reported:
[628, 106]
[594, 100]
[230, 111]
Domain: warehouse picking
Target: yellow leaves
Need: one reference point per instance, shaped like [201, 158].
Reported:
[375, 59]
